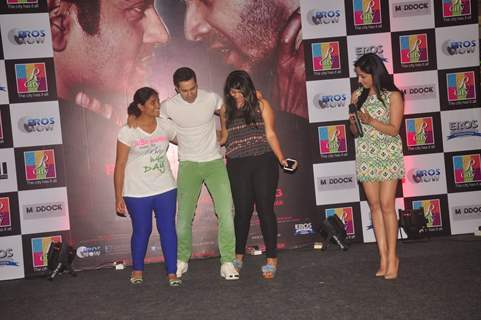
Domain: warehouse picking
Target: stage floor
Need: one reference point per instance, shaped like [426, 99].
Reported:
[438, 279]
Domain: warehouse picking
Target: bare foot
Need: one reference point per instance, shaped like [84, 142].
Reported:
[381, 272]
[137, 274]
[392, 273]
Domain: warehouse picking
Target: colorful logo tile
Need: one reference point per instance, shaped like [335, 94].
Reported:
[332, 139]
[461, 86]
[325, 56]
[346, 216]
[432, 211]
[367, 12]
[414, 48]
[5, 217]
[467, 168]
[456, 8]
[40, 249]
[419, 132]
[31, 78]
[40, 165]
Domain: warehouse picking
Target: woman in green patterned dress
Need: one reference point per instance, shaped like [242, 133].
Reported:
[379, 157]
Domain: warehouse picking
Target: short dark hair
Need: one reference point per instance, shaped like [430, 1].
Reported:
[88, 15]
[184, 74]
[140, 97]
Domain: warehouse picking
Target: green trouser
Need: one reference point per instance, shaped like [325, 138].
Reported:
[190, 177]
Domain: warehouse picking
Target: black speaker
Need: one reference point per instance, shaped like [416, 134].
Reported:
[332, 230]
[413, 222]
[60, 256]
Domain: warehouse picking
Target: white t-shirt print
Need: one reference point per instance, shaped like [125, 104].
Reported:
[147, 171]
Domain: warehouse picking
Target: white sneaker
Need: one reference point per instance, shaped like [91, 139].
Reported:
[182, 268]
[228, 271]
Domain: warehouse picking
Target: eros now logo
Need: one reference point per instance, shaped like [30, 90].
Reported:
[26, 37]
[326, 101]
[6, 253]
[7, 257]
[455, 47]
[424, 175]
[31, 124]
[336, 182]
[377, 49]
[317, 17]
[465, 128]
[87, 252]
[303, 228]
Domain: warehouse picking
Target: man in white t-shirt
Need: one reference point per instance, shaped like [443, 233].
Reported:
[200, 161]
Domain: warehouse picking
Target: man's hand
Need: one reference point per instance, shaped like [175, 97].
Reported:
[291, 77]
[132, 121]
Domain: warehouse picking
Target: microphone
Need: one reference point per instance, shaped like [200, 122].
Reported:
[357, 122]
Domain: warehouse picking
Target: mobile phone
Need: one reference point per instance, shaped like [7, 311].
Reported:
[290, 165]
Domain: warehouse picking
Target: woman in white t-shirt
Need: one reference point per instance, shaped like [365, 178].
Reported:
[144, 182]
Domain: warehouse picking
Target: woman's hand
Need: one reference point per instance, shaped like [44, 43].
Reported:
[120, 207]
[365, 117]
[284, 163]
[352, 119]
[352, 125]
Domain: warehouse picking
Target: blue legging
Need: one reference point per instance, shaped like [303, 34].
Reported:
[140, 210]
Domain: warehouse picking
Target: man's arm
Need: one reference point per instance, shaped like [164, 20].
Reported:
[222, 134]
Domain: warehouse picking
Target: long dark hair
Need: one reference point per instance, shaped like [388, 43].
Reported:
[372, 64]
[240, 80]
[140, 97]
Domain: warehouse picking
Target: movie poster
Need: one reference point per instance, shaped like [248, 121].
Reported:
[119, 47]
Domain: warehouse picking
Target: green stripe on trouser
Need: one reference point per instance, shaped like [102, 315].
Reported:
[190, 177]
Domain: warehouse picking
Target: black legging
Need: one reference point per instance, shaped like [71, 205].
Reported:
[254, 180]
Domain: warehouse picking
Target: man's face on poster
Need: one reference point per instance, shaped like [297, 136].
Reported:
[116, 57]
[244, 32]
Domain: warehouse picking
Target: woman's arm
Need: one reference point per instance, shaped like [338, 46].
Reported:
[119, 174]
[223, 134]
[271, 135]
[396, 109]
